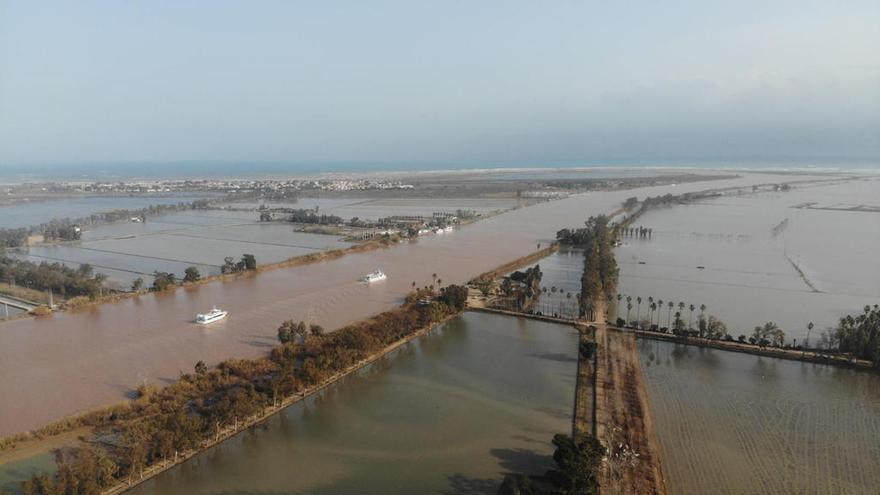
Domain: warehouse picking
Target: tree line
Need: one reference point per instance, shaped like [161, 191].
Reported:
[599, 277]
[857, 336]
[67, 229]
[165, 280]
[161, 424]
[55, 277]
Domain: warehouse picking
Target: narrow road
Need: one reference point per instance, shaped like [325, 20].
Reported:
[16, 303]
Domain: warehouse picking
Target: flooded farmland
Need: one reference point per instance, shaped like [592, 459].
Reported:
[450, 413]
[105, 351]
[741, 256]
[737, 423]
[173, 242]
[41, 211]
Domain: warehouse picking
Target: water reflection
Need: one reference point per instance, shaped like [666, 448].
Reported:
[449, 413]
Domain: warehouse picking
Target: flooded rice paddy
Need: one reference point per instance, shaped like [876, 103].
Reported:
[173, 242]
[479, 396]
[375, 208]
[737, 423]
[750, 248]
[40, 211]
[56, 366]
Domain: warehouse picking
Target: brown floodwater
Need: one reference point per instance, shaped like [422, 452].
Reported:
[737, 255]
[732, 423]
[70, 362]
[451, 412]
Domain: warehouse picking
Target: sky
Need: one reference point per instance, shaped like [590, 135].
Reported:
[444, 82]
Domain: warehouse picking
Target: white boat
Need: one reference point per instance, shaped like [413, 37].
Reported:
[376, 276]
[211, 316]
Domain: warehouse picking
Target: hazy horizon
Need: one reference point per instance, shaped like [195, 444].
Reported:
[447, 85]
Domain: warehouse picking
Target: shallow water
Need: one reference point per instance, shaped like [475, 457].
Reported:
[749, 275]
[449, 413]
[737, 423]
[55, 366]
[174, 242]
[375, 208]
[37, 212]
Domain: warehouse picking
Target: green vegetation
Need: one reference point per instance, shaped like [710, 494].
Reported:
[707, 326]
[163, 281]
[247, 262]
[577, 466]
[599, 278]
[858, 336]
[305, 215]
[192, 274]
[55, 277]
[521, 289]
[199, 408]
[768, 334]
[67, 229]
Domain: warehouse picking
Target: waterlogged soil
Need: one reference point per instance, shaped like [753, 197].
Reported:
[174, 242]
[479, 396]
[379, 207]
[26, 214]
[56, 366]
[741, 256]
[737, 423]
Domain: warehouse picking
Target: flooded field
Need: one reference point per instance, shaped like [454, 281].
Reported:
[450, 413]
[173, 242]
[37, 212]
[737, 423]
[375, 208]
[104, 352]
[740, 257]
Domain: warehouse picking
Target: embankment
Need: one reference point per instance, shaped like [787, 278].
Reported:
[624, 422]
[733, 346]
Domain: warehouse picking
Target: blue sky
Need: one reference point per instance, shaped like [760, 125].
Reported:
[457, 82]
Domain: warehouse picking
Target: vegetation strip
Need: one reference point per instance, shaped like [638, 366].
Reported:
[164, 426]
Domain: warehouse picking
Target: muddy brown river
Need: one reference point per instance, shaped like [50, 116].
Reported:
[56, 366]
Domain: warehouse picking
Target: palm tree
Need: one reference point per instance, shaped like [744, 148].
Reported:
[660, 306]
[439, 282]
[653, 309]
[807, 343]
[702, 309]
[617, 306]
[568, 305]
[669, 314]
[691, 315]
[544, 300]
[638, 307]
[628, 307]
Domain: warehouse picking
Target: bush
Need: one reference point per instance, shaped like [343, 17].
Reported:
[41, 310]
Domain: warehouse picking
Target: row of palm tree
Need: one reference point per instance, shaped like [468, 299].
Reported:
[657, 306]
[566, 307]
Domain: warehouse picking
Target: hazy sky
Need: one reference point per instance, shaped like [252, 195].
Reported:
[476, 82]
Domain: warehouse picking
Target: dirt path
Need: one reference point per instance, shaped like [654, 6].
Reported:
[623, 417]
